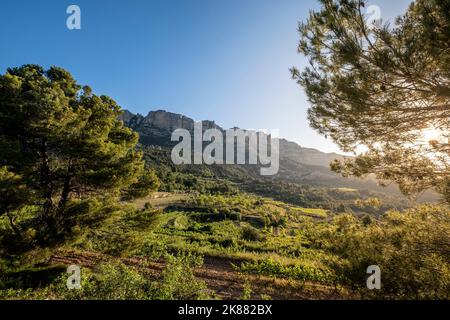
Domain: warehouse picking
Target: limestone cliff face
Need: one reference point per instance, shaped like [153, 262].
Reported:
[161, 120]
[126, 116]
[156, 128]
[296, 163]
[168, 121]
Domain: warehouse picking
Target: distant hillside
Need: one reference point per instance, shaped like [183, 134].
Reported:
[297, 164]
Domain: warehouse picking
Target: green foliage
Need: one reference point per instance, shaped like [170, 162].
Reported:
[178, 222]
[200, 178]
[146, 184]
[321, 213]
[381, 87]
[301, 272]
[23, 294]
[178, 280]
[61, 140]
[108, 282]
[116, 229]
[30, 277]
[247, 291]
[316, 198]
[250, 233]
[14, 196]
[412, 248]
[14, 193]
[153, 248]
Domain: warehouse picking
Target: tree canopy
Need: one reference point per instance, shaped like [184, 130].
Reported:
[382, 87]
[58, 139]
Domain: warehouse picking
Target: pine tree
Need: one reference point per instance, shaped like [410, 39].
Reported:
[381, 87]
[61, 140]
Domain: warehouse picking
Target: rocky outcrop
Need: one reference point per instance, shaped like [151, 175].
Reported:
[126, 116]
[168, 121]
[156, 128]
[162, 121]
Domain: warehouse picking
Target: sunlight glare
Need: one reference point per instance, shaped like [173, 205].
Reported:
[431, 134]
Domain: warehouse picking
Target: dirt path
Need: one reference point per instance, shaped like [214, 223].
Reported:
[161, 200]
[218, 275]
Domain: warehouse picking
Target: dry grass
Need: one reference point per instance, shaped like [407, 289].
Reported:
[160, 200]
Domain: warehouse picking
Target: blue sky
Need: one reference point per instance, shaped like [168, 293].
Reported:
[222, 60]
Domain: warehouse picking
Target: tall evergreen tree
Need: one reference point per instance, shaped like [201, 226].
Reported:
[59, 139]
[382, 87]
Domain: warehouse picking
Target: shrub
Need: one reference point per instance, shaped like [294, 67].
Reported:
[152, 249]
[110, 281]
[301, 272]
[412, 248]
[252, 234]
[178, 279]
[228, 243]
[146, 183]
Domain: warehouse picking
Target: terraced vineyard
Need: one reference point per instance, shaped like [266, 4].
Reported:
[250, 245]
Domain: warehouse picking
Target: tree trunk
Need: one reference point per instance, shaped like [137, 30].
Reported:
[46, 184]
[13, 224]
[65, 193]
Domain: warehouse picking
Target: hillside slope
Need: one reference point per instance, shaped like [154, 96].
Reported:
[297, 164]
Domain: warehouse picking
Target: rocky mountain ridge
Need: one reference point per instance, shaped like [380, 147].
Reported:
[161, 124]
[297, 164]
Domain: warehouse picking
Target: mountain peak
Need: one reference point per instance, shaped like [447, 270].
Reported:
[163, 120]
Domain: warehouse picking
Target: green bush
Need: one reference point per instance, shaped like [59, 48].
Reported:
[146, 183]
[228, 243]
[412, 249]
[178, 280]
[152, 249]
[252, 234]
[110, 281]
[297, 271]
